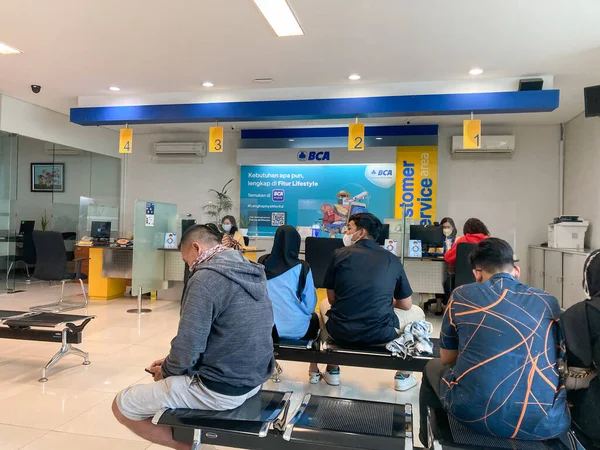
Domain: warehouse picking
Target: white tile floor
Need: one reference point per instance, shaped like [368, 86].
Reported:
[72, 410]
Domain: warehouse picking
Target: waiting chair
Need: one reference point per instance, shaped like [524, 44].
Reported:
[464, 269]
[51, 266]
[27, 258]
[318, 254]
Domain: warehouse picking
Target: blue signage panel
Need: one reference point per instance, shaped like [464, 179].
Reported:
[301, 195]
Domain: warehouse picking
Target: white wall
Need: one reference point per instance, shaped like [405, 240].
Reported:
[582, 167]
[26, 119]
[185, 184]
[518, 195]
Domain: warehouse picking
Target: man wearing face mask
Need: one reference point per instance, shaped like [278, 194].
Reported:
[500, 342]
[369, 296]
[223, 350]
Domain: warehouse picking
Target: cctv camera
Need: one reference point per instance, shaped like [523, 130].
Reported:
[408, 122]
[36, 88]
[232, 128]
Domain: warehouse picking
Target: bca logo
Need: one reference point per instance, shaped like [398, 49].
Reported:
[381, 175]
[313, 156]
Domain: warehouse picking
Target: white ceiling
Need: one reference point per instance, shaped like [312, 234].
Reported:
[76, 48]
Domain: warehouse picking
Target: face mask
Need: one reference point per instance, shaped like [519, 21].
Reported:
[227, 228]
[447, 232]
[348, 239]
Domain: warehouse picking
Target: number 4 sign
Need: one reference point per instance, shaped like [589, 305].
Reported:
[126, 140]
[472, 134]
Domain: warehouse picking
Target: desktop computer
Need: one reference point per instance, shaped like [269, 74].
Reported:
[101, 231]
[430, 236]
[26, 227]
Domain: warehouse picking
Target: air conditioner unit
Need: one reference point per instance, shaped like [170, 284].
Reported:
[51, 149]
[500, 145]
[179, 151]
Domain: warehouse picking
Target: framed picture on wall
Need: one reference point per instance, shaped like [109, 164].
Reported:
[47, 177]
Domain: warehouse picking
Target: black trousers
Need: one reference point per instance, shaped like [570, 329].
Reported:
[429, 395]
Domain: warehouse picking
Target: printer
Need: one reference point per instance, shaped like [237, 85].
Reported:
[567, 232]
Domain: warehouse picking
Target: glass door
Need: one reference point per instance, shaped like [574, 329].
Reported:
[10, 248]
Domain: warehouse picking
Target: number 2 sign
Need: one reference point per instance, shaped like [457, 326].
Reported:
[356, 137]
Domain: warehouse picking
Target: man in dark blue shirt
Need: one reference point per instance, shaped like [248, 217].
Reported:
[369, 296]
[500, 342]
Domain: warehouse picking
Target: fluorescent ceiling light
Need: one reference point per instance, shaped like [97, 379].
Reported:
[291, 140]
[280, 16]
[114, 88]
[207, 84]
[475, 71]
[8, 50]
[354, 77]
[379, 138]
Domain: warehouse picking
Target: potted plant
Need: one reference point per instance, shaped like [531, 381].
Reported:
[221, 206]
[243, 223]
[45, 221]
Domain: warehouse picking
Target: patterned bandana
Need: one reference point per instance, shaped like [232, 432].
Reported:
[207, 255]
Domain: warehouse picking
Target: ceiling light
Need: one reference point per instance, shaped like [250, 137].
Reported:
[354, 77]
[379, 138]
[475, 71]
[8, 50]
[114, 88]
[280, 16]
[291, 140]
[207, 84]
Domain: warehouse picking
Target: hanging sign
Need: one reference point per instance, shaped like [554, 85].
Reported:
[126, 140]
[356, 137]
[215, 137]
[472, 134]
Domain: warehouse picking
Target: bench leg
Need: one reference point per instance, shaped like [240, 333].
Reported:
[197, 444]
[276, 378]
[65, 349]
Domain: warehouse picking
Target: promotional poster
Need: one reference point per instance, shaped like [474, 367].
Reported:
[272, 196]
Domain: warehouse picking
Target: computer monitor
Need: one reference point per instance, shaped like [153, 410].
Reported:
[384, 235]
[26, 226]
[101, 230]
[356, 208]
[185, 224]
[430, 236]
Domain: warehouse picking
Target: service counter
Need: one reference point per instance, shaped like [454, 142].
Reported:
[426, 275]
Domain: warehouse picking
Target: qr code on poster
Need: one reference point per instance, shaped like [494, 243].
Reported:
[277, 219]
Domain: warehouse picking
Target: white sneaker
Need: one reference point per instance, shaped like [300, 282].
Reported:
[402, 383]
[314, 377]
[332, 377]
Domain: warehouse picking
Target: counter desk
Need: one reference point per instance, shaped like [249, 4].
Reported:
[426, 274]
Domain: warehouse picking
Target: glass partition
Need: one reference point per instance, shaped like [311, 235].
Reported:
[10, 251]
[152, 221]
[92, 210]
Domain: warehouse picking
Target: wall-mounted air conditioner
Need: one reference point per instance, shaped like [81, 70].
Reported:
[490, 145]
[52, 149]
[179, 151]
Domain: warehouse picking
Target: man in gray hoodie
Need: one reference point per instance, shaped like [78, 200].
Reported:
[223, 351]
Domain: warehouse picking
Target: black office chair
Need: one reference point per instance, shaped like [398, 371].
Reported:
[27, 258]
[464, 269]
[246, 241]
[51, 266]
[318, 253]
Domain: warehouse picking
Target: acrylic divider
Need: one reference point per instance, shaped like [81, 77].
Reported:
[151, 222]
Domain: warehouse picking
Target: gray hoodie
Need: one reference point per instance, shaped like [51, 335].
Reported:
[225, 327]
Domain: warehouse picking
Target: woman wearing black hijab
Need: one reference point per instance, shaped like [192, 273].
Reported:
[581, 327]
[291, 287]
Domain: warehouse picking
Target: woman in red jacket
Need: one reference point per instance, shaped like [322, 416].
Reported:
[474, 232]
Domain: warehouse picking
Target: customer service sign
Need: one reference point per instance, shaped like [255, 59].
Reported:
[416, 183]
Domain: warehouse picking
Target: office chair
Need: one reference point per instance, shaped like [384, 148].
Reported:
[246, 241]
[51, 266]
[318, 253]
[464, 269]
[27, 258]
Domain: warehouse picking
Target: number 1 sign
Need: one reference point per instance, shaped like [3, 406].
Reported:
[472, 134]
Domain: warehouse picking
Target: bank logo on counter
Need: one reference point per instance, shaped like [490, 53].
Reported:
[382, 175]
[278, 195]
[313, 156]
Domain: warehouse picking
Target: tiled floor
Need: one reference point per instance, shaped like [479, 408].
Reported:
[72, 410]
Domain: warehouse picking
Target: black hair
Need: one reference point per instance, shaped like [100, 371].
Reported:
[475, 226]
[367, 221]
[234, 227]
[451, 222]
[208, 234]
[492, 255]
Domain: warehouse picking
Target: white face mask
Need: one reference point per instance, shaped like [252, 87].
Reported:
[447, 232]
[348, 239]
[227, 228]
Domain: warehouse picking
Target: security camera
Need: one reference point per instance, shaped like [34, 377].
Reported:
[408, 122]
[232, 128]
[36, 88]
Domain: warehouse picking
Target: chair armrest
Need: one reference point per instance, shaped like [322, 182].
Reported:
[79, 262]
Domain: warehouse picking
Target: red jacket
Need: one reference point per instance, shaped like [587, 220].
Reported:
[450, 255]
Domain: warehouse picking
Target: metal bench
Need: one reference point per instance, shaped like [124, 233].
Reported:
[319, 423]
[447, 433]
[34, 326]
[374, 357]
